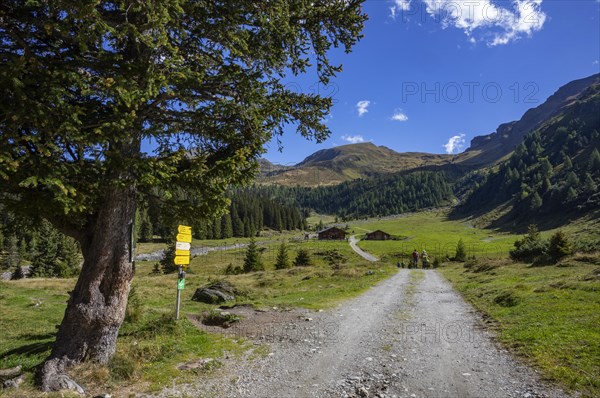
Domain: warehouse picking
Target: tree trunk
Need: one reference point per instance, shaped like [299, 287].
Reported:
[97, 305]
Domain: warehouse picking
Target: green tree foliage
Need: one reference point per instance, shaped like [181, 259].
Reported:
[282, 261]
[82, 84]
[378, 196]
[335, 259]
[559, 246]
[461, 251]
[594, 162]
[11, 256]
[144, 224]
[557, 174]
[55, 255]
[17, 273]
[530, 247]
[252, 261]
[303, 258]
[167, 263]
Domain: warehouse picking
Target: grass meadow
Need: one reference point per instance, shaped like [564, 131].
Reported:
[151, 344]
[549, 315]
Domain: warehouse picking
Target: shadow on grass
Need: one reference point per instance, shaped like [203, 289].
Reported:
[29, 349]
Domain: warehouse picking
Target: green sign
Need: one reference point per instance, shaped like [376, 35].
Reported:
[180, 284]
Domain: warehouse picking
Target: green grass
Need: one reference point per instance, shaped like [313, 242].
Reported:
[434, 232]
[551, 315]
[150, 348]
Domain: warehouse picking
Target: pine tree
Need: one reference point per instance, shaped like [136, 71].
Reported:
[568, 164]
[146, 230]
[11, 257]
[594, 162]
[167, 263]
[252, 261]
[226, 226]
[17, 273]
[536, 201]
[461, 251]
[588, 184]
[571, 194]
[302, 258]
[45, 261]
[69, 258]
[282, 261]
[559, 246]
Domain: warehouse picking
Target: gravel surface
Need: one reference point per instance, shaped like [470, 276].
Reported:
[353, 244]
[410, 336]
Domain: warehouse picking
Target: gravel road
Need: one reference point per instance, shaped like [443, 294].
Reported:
[353, 244]
[410, 336]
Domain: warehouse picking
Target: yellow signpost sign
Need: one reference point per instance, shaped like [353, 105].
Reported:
[184, 229]
[186, 238]
[182, 260]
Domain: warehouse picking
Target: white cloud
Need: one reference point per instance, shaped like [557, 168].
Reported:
[361, 107]
[399, 116]
[399, 5]
[596, 61]
[353, 139]
[495, 24]
[455, 144]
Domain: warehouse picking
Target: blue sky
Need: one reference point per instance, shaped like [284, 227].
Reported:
[430, 75]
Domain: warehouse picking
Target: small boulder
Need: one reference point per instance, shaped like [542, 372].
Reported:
[215, 293]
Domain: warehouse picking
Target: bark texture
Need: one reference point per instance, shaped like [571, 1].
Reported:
[97, 305]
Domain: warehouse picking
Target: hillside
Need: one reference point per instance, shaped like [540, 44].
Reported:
[489, 149]
[552, 176]
[347, 162]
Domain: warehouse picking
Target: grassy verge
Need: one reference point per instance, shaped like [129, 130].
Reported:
[151, 344]
[550, 315]
[434, 232]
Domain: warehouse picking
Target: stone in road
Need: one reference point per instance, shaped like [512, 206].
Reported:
[410, 336]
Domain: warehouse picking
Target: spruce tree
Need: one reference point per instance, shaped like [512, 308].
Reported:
[461, 251]
[11, 257]
[226, 226]
[536, 201]
[594, 162]
[559, 246]
[302, 258]
[252, 261]
[17, 273]
[45, 261]
[167, 263]
[588, 184]
[282, 261]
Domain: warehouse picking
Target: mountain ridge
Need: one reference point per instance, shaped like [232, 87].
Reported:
[335, 165]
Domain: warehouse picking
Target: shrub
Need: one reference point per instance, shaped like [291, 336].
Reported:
[436, 262]
[335, 259]
[506, 299]
[135, 307]
[559, 246]
[232, 270]
[461, 251]
[302, 258]
[530, 247]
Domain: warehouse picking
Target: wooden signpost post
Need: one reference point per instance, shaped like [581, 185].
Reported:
[182, 259]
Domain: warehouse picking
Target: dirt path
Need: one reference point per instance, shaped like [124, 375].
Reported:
[353, 244]
[410, 336]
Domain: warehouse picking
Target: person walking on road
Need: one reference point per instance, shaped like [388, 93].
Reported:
[415, 256]
[425, 259]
